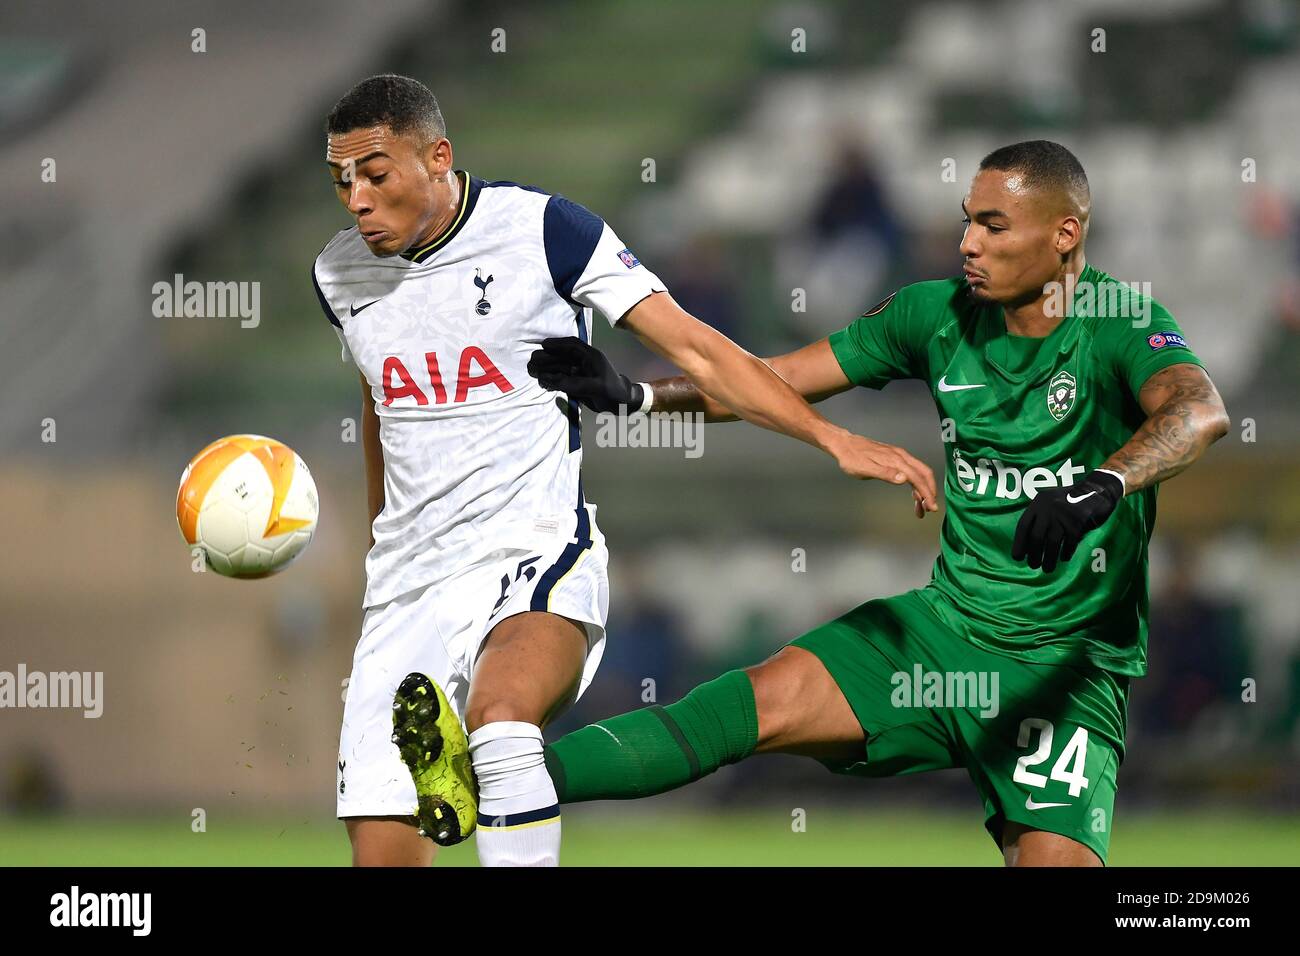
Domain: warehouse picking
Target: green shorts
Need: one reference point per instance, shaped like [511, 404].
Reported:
[1043, 742]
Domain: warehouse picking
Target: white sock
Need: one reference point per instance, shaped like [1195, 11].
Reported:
[518, 811]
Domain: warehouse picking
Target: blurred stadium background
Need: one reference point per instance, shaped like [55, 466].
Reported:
[774, 170]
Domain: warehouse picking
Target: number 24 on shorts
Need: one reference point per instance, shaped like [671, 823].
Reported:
[1068, 767]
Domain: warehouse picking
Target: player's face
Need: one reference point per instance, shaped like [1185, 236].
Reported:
[392, 187]
[1012, 240]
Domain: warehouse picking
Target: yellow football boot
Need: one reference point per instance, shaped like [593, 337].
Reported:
[432, 743]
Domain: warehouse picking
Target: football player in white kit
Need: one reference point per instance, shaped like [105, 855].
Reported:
[486, 576]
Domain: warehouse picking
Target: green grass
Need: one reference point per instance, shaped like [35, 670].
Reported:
[602, 838]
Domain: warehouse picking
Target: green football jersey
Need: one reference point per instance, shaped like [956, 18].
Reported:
[1019, 415]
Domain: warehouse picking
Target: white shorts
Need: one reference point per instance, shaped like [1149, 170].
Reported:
[439, 630]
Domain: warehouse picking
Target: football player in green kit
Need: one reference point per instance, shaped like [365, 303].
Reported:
[1070, 397]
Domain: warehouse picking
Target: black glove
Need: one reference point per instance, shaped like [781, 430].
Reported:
[581, 371]
[1057, 519]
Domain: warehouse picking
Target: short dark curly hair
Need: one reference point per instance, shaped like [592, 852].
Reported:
[402, 104]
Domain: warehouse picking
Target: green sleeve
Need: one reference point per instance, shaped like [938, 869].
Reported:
[1137, 349]
[886, 343]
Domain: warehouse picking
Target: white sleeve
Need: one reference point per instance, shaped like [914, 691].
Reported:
[614, 279]
[589, 264]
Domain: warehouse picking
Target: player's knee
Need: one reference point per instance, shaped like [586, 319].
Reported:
[497, 710]
[779, 696]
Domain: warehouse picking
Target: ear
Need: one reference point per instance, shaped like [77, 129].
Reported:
[1068, 235]
[438, 158]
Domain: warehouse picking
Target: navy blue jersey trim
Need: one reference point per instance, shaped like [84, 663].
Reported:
[470, 188]
[506, 182]
[517, 819]
[575, 410]
[324, 303]
[568, 558]
[569, 233]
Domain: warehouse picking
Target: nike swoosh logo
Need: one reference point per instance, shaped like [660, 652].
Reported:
[1074, 501]
[1031, 805]
[945, 387]
[355, 310]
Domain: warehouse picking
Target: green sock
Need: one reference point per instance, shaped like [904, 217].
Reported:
[657, 749]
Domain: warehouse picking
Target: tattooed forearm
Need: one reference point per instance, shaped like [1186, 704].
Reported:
[1185, 416]
[813, 371]
[679, 394]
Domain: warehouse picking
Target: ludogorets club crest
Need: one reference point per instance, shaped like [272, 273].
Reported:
[1060, 395]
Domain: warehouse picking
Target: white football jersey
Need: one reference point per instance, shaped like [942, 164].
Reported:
[477, 455]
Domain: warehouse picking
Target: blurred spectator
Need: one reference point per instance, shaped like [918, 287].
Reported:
[854, 201]
[852, 247]
[704, 286]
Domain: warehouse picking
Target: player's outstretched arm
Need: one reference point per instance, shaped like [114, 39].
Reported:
[812, 371]
[1185, 416]
[585, 373]
[720, 368]
[374, 456]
